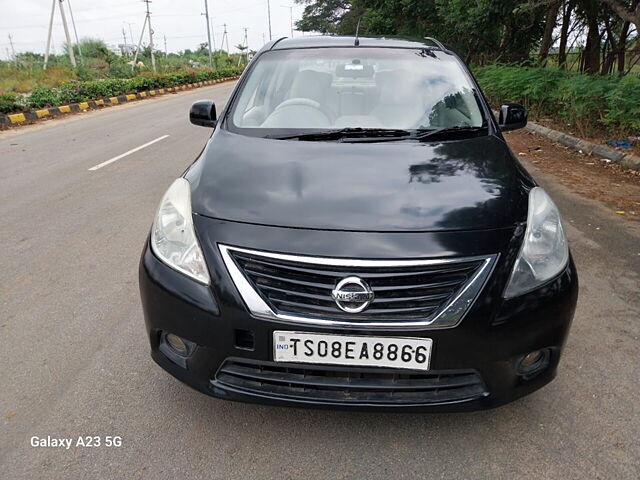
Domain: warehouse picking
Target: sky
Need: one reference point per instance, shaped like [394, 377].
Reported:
[181, 21]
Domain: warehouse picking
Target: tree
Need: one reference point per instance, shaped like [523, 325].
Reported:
[567, 13]
[322, 16]
[629, 11]
[550, 25]
[510, 31]
[480, 29]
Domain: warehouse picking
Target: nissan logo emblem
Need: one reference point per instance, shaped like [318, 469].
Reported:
[352, 295]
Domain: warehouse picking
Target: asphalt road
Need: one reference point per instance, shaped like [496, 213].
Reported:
[74, 359]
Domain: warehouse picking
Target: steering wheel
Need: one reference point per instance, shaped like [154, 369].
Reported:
[296, 111]
[307, 102]
[294, 102]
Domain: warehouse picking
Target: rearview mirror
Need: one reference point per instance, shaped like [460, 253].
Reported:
[512, 116]
[203, 113]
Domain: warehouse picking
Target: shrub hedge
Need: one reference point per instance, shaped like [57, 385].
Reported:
[10, 102]
[82, 91]
[590, 103]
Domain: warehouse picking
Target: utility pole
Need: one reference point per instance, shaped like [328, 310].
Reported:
[290, 7]
[213, 39]
[130, 32]
[269, 14]
[206, 14]
[225, 36]
[125, 50]
[153, 58]
[135, 57]
[75, 32]
[13, 50]
[245, 43]
[46, 52]
[72, 56]
[165, 47]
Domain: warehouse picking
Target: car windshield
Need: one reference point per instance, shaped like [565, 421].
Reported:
[297, 90]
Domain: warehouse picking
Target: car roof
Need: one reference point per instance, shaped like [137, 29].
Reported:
[320, 41]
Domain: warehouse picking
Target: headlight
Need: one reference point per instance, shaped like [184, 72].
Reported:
[173, 238]
[544, 253]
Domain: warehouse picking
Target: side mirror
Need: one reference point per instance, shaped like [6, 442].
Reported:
[512, 116]
[203, 113]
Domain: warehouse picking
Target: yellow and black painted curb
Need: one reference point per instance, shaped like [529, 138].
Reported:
[34, 115]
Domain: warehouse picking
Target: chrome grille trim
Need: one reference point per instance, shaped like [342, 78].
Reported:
[449, 315]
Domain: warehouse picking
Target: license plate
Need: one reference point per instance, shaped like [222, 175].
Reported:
[355, 350]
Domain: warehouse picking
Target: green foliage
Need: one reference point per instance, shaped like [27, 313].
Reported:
[94, 48]
[21, 80]
[590, 103]
[496, 29]
[81, 91]
[43, 97]
[624, 104]
[582, 100]
[10, 102]
[530, 86]
[323, 16]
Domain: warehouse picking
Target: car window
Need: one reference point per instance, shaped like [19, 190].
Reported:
[326, 88]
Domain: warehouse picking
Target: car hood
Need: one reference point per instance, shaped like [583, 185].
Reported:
[387, 186]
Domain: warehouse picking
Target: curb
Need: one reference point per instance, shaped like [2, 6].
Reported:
[35, 115]
[625, 160]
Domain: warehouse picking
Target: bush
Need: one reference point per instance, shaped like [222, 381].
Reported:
[623, 104]
[43, 97]
[581, 100]
[82, 91]
[531, 86]
[588, 102]
[10, 102]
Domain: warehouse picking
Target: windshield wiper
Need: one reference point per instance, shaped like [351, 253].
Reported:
[447, 130]
[351, 132]
[376, 134]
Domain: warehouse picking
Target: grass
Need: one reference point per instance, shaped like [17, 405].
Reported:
[24, 80]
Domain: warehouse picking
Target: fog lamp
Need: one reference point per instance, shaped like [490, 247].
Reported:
[177, 344]
[533, 363]
[531, 359]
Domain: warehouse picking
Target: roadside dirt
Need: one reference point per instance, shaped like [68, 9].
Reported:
[587, 175]
[599, 138]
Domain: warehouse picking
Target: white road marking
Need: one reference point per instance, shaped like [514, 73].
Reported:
[133, 150]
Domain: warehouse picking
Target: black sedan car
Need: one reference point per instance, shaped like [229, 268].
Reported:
[357, 234]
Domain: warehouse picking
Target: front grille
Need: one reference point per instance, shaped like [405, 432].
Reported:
[406, 292]
[352, 385]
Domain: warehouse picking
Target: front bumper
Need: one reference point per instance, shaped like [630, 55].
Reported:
[491, 339]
